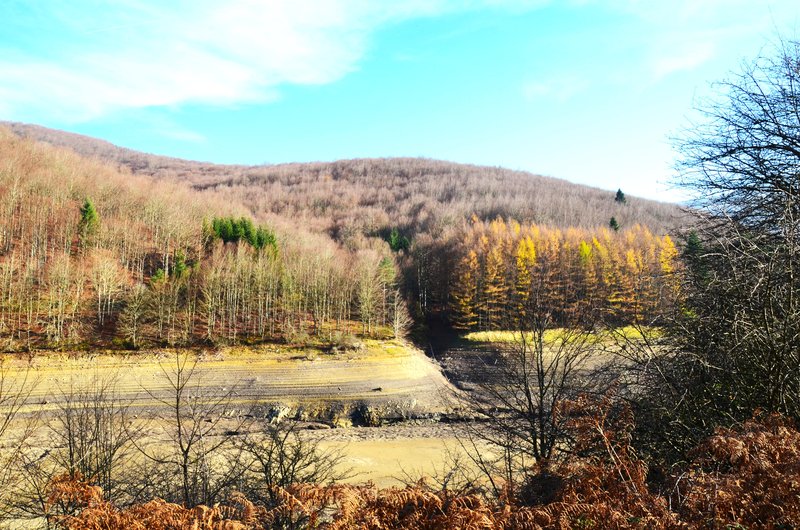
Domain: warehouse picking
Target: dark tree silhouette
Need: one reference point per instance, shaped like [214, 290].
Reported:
[735, 346]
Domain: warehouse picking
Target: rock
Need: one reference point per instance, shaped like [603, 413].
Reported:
[342, 423]
[367, 415]
[316, 426]
[278, 413]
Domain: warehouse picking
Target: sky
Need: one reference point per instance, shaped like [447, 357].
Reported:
[591, 91]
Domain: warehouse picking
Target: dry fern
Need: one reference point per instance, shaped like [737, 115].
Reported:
[748, 476]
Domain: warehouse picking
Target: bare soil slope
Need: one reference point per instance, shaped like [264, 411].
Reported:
[395, 378]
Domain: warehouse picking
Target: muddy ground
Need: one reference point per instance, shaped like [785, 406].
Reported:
[393, 410]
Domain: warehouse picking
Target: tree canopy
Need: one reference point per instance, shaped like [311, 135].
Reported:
[232, 230]
[89, 222]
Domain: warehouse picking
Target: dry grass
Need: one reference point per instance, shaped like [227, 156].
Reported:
[742, 478]
[553, 335]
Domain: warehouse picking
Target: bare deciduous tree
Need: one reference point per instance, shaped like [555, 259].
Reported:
[107, 280]
[16, 387]
[281, 457]
[735, 347]
[91, 434]
[195, 450]
[519, 398]
[401, 319]
[133, 317]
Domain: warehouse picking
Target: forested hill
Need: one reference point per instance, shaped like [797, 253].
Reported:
[365, 197]
[95, 257]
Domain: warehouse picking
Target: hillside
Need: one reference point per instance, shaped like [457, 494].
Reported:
[370, 196]
[91, 256]
[359, 240]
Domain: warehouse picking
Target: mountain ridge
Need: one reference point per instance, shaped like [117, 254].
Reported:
[369, 195]
[57, 138]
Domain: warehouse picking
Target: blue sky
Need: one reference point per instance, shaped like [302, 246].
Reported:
[586, 90]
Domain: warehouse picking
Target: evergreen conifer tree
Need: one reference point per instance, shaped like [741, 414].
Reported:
[89, 223]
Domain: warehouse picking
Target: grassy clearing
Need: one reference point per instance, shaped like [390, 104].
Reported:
[602, 337]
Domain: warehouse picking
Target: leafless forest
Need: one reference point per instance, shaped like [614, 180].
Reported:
[354, 206]
[145, 265]
[369, 196]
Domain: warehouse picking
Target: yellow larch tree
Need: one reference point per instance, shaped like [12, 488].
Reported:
[526, 260]
[668, 260]
[465, 292]
[590, 289]
[494, 287]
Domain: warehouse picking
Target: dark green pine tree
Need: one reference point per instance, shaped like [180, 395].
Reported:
[223, 227]
[89, 223]
[232, 230]
[620, 197]
[265, 238]
[247, 231]
[179, 266]
[692, 255]
[613, 224]
[237, 230]
[398, 241]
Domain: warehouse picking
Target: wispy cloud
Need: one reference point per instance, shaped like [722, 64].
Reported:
[682, 58]
[172, 130]
[141, 55]
[95, 58]
[683, 35]
[80, 60]
[656, 40]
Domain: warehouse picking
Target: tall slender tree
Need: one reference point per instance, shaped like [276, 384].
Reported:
[89, 222]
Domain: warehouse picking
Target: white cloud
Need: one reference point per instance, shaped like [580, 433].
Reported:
[687, 34]
[681, 58]
[79, 60]
[216, 52]
[669, 37]
[102, 57]
[142, 55]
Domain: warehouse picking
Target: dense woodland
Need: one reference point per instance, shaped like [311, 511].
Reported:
[154, 262]
[91, 256]
[506, 271]
[352, 198]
